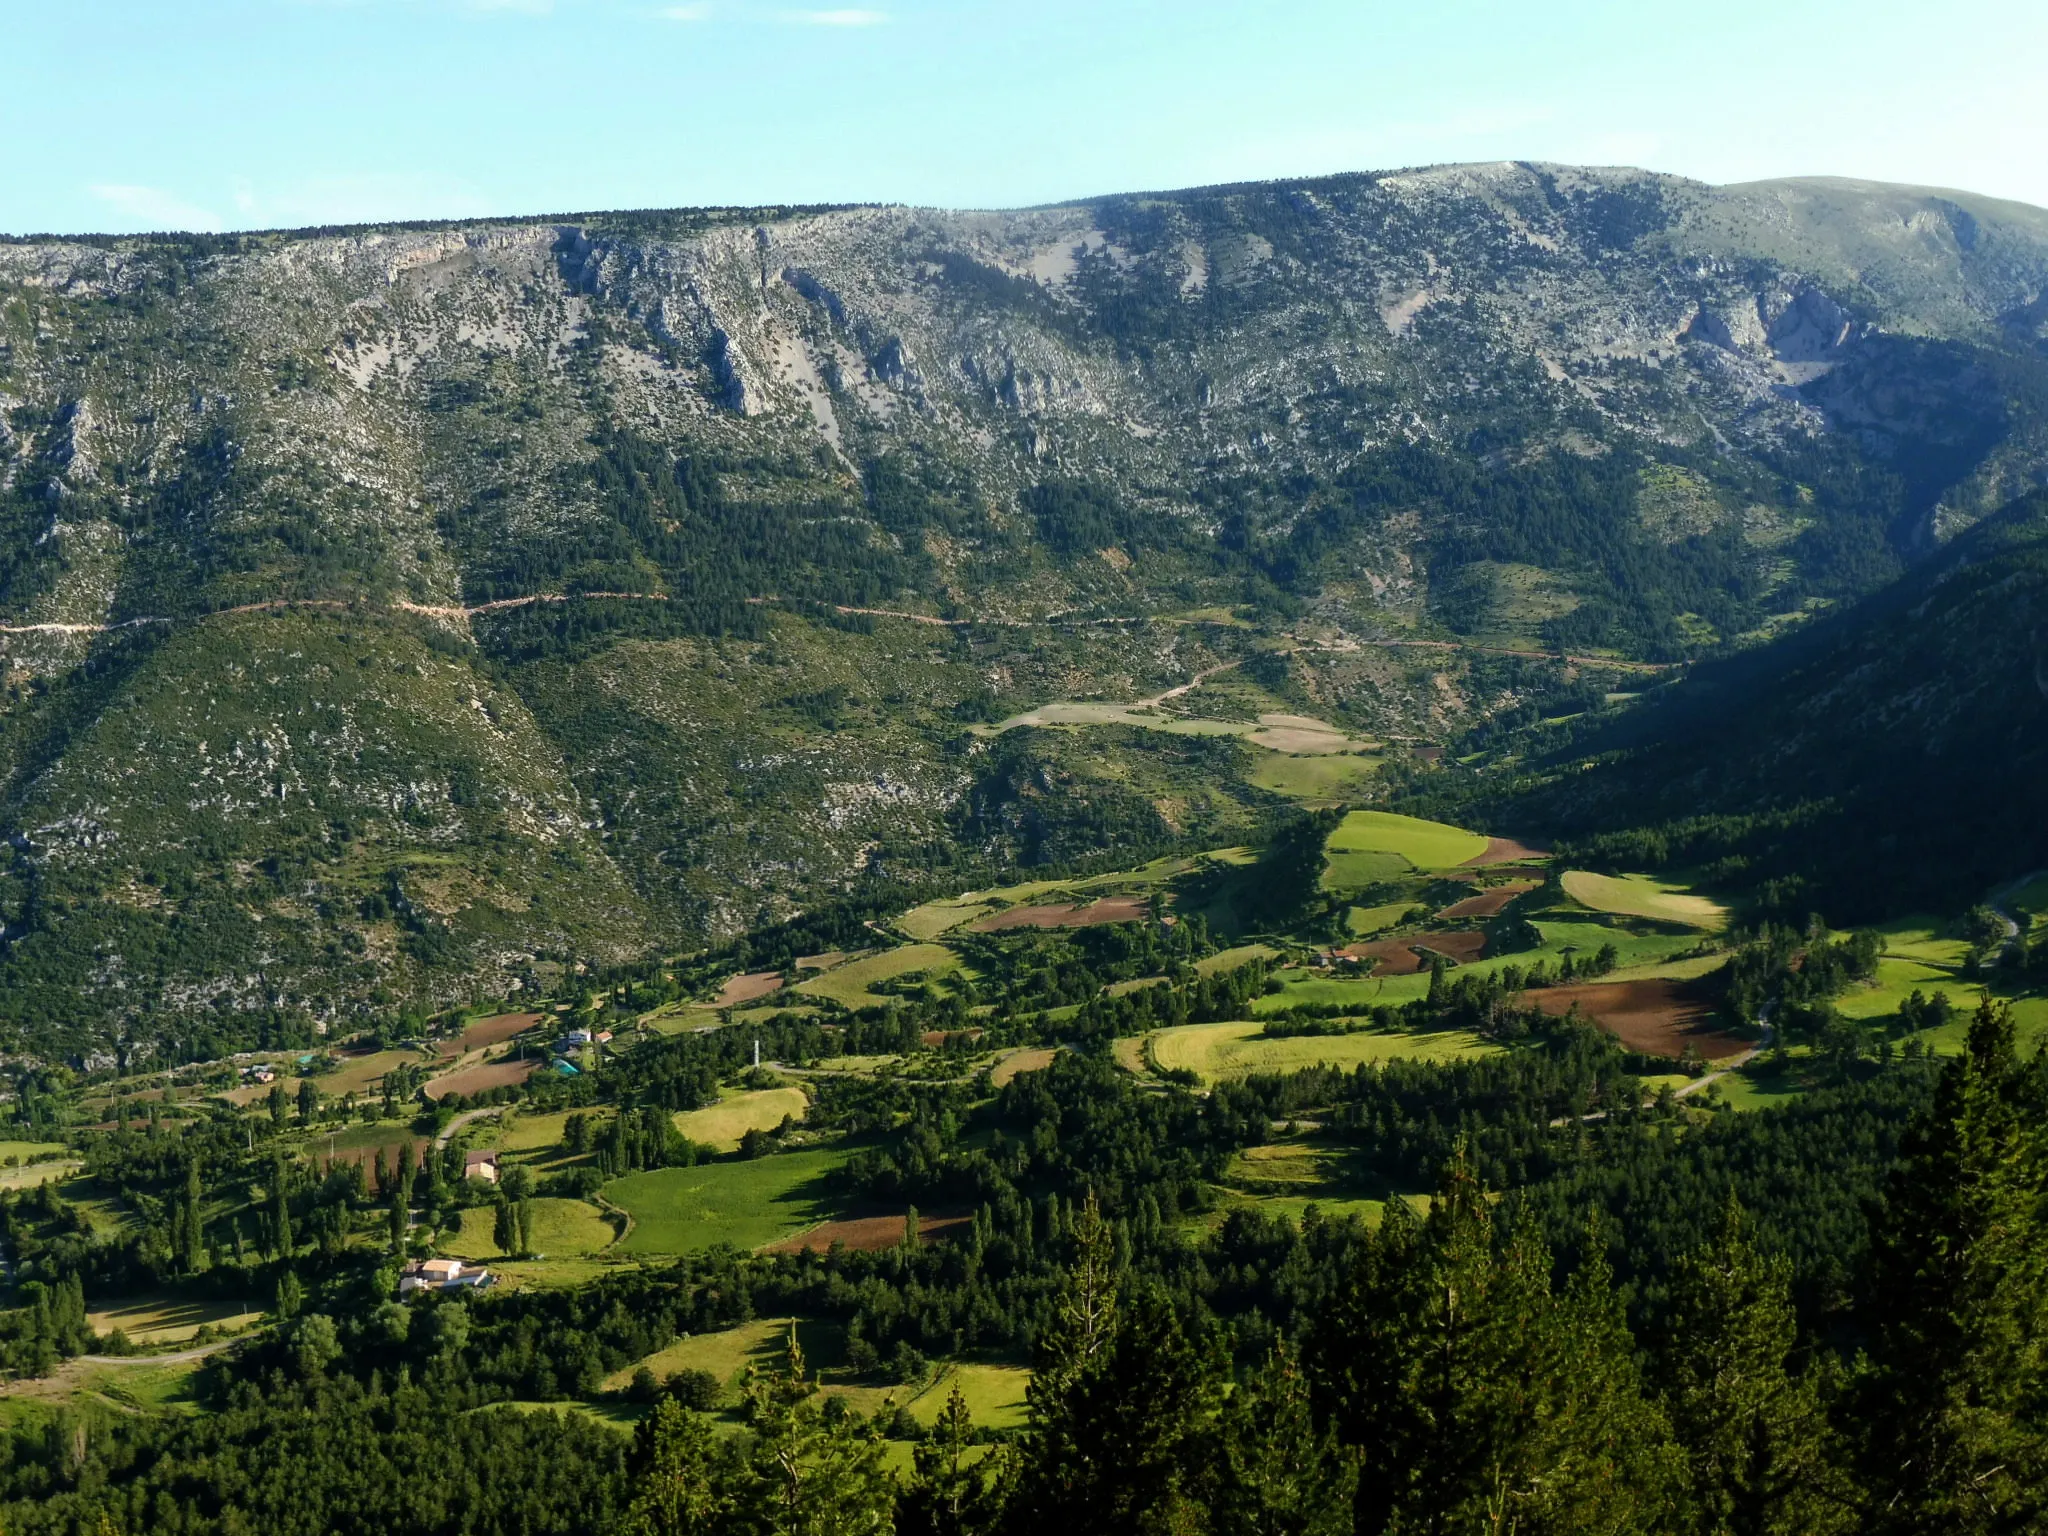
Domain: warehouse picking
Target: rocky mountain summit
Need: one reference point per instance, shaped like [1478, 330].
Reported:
[400, 609]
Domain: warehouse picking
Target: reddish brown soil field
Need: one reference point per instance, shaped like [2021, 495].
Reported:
[866, 1234]
[932, 1039]
[1658, 1018]
[1489, 902]
[1397, 957]
[744, 989]
[491, 1031]
[498, 1074]
[1505, 850]
[1111, 909]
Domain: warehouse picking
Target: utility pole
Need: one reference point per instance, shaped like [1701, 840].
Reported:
[757, 1052]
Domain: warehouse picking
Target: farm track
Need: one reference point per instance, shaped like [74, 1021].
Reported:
[462, 613]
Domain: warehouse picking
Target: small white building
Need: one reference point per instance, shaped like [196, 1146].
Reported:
[442, 1275]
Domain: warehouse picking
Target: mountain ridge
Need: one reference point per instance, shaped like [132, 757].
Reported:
[1503, 409]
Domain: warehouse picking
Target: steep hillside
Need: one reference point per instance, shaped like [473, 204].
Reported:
[1882, 761]
[578, 509]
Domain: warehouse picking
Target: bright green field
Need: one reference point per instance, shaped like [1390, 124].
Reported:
[747, 1204]
[994, 1394]
[850, 982]
[1370, 920]
[561, 1229]
[1314, 778]
[1921, 938]
[721, 1125]
[1641, 896]
[1230, 959]
[936, 917]
[1424, 844]
[1898, 979]
[1221, 1051]
[1353, 871]
[22, 1151]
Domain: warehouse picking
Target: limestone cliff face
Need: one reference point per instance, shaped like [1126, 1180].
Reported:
[1131, 410]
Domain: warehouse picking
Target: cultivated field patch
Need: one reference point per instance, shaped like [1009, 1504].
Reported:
[156, 1320]
[721, 1125]
[747, 987]
[1107, 909]
[1657, 1018]
[481, 1079]
[480, 1033]
[850, 982]
[1423, 844]
[927, 922]
[1218, 1052]
[1490, 902]
[1314, 778]
[1405, 957]
[744, 1203]
[1032, 1059]
[1641, 896]
[1505, 850]
[558, 1229]
[866, 1234]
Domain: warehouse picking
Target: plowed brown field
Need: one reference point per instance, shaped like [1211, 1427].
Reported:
[866, 1234]
[1658, 1018]
[1111, 909]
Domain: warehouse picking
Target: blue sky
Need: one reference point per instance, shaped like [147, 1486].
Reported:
[145, 114]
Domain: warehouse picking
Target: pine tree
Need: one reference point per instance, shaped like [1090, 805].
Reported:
[1754, 1435]
[1119, 1404]
[813, 1474]
[1484, 1401]
[684, 1476]
[953, 1493]
[1274, 1472]
[1956, 1397]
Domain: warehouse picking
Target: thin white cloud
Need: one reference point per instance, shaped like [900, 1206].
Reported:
[152, 209]
[684, 13]
[836, 18]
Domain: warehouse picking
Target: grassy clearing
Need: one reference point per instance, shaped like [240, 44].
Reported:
[156, 1320]
[1354, 871]
[1366, 921]
[1424, 844]
[32, 1174]
[561, 1228]
[536, 1133]
[22, 1151]
[850, 982]
[994, 1394]
[1217, 1052]
[1897, 980]
[1231, 959]
[746, 1204]
[1314, 778]
[1923, 939]
[730, 1351]
[927, 922]
[721, 1125]
[1754, 1088]
[1030, 1059]
[1640, 896]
